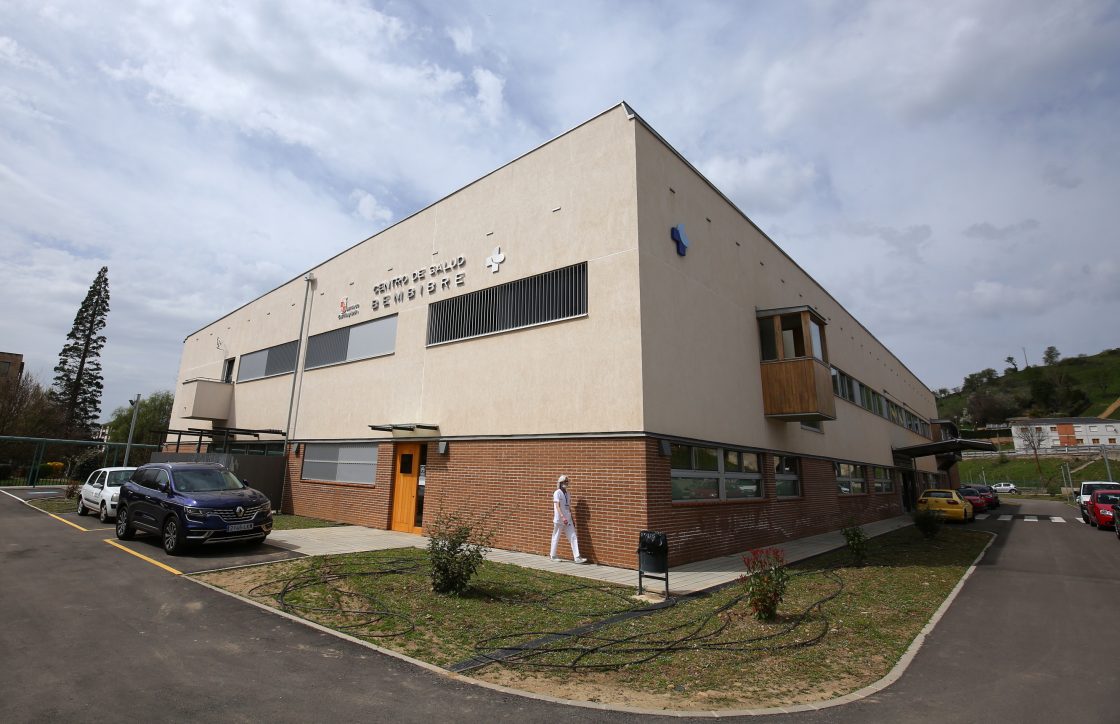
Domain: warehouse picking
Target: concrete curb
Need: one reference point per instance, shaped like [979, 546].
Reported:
[891, 677]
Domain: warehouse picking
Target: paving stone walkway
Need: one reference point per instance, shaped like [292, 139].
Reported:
[687, 578]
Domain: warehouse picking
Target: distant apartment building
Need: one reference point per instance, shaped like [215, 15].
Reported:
[1051, 432]
[11, 367]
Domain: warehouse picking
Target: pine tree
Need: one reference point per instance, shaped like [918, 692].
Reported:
[77, 377]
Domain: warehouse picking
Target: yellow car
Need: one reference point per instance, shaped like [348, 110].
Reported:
[948, 503]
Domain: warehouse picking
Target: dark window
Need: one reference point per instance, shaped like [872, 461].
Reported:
[359, 341]
[549, 297]
[276, 360]
[227, 370]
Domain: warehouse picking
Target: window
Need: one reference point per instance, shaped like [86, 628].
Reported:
[277, 360]
[791, 333]
[884, 479]
[359, 341]
[814, 425]
[1096, 441]
[1053, 428]
[850, 479]
[712, 473]
[786, 481]
[343, 463]
[549, 297]
[227, 370]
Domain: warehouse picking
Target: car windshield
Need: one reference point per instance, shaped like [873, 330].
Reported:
[1088, 488]
[967, 491]
[984, 489]
[1108, 498]
[204, 481]
[118, 478]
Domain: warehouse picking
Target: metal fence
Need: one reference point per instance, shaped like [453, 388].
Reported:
[49, 461]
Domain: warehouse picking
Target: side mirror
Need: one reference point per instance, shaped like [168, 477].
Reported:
[163, 486]
[245, 482]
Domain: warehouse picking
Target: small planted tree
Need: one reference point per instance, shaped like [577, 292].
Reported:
[456, 549]
[857, 543]
[928, 522]
[766, 580]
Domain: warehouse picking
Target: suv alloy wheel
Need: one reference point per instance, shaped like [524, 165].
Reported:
[124, 530]
[173, 541]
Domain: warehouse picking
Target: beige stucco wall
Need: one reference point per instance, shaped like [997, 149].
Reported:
[569, 201]
[700, 352]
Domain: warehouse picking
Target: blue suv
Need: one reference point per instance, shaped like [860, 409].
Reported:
[186, 503]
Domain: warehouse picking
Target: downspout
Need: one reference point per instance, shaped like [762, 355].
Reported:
[309, 278]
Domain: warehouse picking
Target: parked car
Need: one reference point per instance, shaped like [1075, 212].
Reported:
[1086, 491]
[100, 492]
[972, 495]
[192, 503]
[989, 494]
[1100, 505]
[948, 503]
[1005, 488]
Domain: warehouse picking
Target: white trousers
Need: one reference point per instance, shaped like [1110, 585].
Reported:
[569, 530]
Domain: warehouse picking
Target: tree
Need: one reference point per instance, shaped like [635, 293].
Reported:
[978, 380]
[154, 414]
[1051, 356]
[1012, 365]
[77, 379]
[1032, 437]
[27, 409]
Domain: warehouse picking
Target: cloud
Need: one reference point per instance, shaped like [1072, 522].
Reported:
[1060, 177]
[985, 230]
[489, 94]
[368, 207]
[768, 181]
[907, 242]
[463, 39]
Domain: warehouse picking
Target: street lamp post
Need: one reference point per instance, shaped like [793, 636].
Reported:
[131, 428]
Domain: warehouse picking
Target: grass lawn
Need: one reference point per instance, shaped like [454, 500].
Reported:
[61, 504]
[292, 522]
[839, 628]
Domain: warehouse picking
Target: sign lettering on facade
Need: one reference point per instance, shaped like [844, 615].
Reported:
[423, 282]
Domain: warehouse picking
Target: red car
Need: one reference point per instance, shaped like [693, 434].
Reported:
[1099, 508]
[974, 496]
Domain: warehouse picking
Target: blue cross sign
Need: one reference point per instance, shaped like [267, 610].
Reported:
[678, 235]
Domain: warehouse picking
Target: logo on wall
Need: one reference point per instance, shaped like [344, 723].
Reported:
[495, 259]
[677, 235]
[346, 309]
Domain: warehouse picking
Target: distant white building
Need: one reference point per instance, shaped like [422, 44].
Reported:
[1064, 432]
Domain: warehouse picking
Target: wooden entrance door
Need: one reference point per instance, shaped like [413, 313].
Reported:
[406, 479]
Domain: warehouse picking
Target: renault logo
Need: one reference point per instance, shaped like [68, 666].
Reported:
[240, 511]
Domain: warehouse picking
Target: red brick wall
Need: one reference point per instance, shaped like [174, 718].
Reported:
[618, 487]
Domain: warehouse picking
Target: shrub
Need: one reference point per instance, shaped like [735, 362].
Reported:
[1003, 459]
[455, 551]
[857, 543]
[928, 522]
[1053, 487]
[766, 580]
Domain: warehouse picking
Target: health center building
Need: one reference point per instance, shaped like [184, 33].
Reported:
[594, 308]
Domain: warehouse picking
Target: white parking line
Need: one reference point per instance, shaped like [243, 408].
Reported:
[1030, 518]
[983, 516]
[1005, 517]
[1057, 519]
[1080, 521]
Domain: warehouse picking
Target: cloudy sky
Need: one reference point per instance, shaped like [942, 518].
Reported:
[947, 170]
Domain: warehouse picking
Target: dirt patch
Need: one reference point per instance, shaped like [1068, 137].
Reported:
[605, 688]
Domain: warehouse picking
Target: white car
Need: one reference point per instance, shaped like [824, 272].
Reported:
[1005, 488]
[101, 490]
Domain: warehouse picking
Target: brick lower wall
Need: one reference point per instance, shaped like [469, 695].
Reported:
[618, 488]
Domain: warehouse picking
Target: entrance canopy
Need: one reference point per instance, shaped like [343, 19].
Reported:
[944, 447]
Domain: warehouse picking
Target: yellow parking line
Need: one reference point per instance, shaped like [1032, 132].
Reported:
[72, 525]
[141, 556]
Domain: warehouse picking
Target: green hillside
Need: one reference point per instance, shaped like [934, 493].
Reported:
[1021, 470]
[1076, 387]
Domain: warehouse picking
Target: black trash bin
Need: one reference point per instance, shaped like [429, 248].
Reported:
[653, 557]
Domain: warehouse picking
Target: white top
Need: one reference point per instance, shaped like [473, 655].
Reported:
[560, 506]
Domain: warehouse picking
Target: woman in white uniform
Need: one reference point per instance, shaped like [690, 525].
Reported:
[562, 521]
